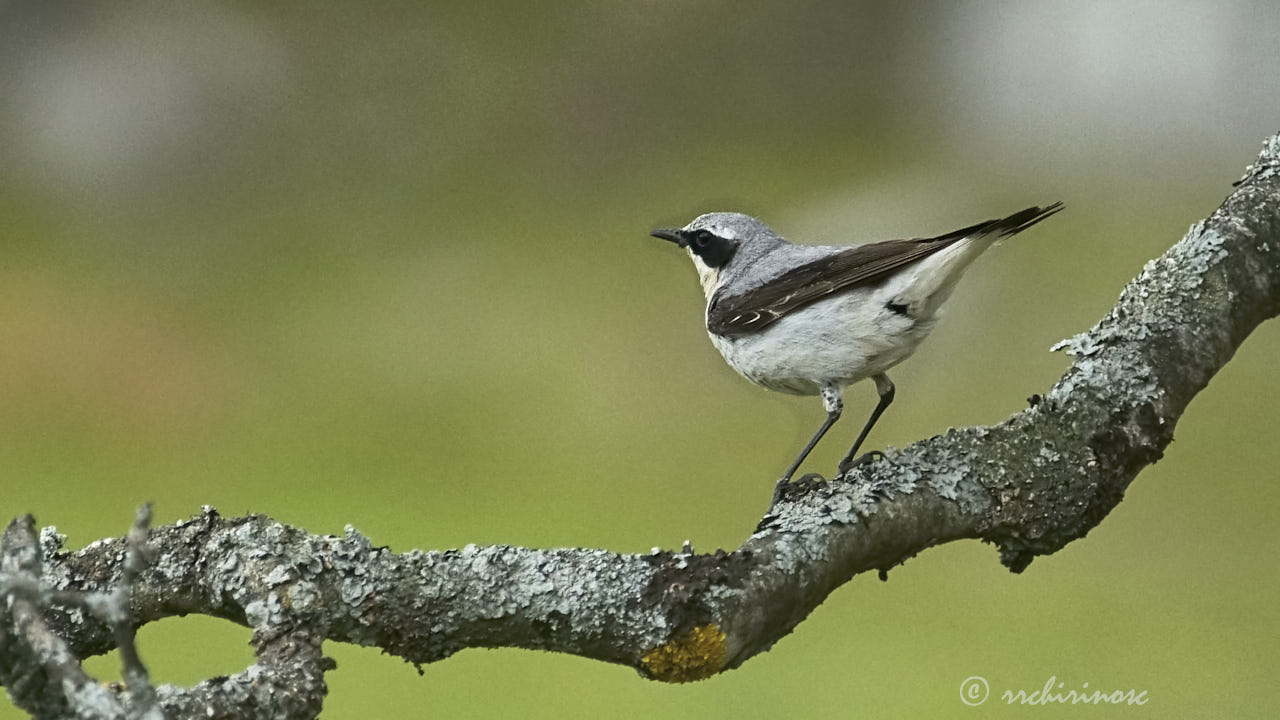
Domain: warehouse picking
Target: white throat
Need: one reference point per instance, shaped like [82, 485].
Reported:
[708, 276]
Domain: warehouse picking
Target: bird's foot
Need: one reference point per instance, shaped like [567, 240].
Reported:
[803, 483]
[850, 463]
[807, 481]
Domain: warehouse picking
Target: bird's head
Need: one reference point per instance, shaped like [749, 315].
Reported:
[718, 241]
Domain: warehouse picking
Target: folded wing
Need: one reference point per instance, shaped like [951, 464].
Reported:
[759, 308]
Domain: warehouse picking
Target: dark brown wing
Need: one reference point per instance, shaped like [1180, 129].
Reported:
[757, 309]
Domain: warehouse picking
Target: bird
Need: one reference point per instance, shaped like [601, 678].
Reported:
[815, 319]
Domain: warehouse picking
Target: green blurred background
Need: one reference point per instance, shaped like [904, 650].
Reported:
[388, 266]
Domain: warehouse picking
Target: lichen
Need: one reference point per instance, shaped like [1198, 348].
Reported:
[1268, 163]
[695, 655]
[51, 541]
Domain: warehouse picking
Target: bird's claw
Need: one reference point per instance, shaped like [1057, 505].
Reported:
[864, 459]
[802, 483]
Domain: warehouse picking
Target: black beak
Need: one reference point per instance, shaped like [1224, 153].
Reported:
[675, 235]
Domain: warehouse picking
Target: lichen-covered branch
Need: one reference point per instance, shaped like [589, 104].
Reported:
[1031, 484]
[47, 677]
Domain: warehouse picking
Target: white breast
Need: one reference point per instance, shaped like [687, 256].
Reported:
[836, 341]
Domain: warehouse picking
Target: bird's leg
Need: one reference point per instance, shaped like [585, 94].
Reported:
[884, 386]
[833, 404]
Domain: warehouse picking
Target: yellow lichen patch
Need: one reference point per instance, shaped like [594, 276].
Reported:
[696, 655]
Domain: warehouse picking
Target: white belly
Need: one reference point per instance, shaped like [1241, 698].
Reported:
[835, 341]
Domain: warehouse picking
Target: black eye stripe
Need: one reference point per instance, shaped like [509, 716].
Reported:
[714, 250]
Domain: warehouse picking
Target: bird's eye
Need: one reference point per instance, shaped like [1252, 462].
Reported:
[702, 238]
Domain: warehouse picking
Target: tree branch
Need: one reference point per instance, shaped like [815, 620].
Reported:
[1030, 485]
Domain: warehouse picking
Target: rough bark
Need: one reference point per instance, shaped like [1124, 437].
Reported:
[1030, 485]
